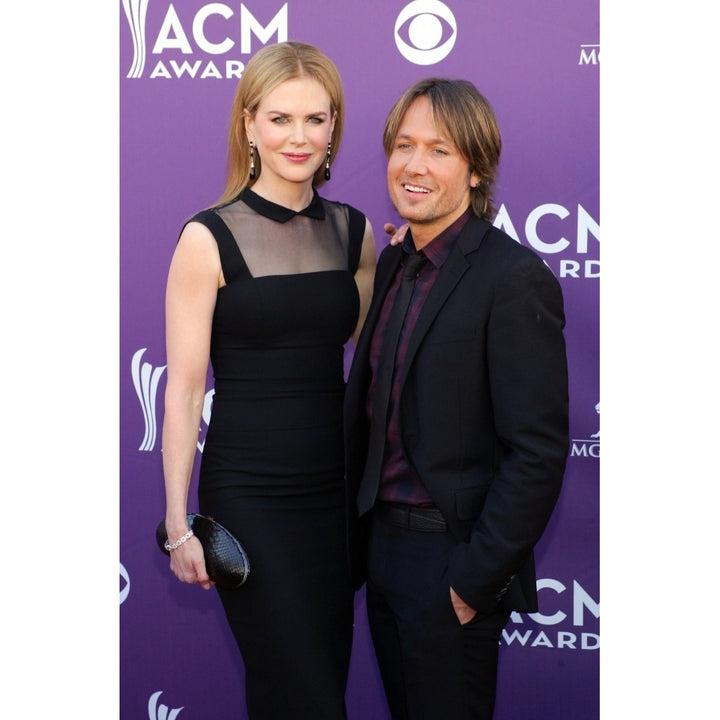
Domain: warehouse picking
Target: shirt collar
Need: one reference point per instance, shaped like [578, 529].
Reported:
[272, 210]
[438, 249]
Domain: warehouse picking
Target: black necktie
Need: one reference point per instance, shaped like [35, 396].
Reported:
[383, 383]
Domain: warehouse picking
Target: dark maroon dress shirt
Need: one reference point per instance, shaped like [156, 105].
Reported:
[399, 482]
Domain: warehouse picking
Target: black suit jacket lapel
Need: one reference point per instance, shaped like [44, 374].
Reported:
[383, 279]
[448, 277]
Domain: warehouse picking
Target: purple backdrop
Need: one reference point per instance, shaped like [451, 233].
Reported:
[538, 64]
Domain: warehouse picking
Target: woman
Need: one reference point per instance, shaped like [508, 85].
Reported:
[269, 284]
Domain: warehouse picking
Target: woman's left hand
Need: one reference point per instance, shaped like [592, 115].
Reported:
[396, 234]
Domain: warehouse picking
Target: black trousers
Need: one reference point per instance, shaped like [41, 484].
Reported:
[432, 667]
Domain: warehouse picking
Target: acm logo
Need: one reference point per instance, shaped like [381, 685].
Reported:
[579, 225]
[584, 616]
[589, 54]
[184, 36]
[587, 447]
[146, 381]
[161, 711]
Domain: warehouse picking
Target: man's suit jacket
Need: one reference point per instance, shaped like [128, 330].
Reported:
[483, 408]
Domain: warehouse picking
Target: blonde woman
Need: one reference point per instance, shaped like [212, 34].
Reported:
[269, 285]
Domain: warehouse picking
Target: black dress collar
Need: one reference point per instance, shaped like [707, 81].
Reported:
[272, 210]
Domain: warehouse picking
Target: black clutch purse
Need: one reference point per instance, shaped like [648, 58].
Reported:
[226, 561]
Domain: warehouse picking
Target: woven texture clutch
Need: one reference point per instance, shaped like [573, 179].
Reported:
[226, 561]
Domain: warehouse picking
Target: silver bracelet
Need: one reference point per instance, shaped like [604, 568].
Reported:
[179, 542]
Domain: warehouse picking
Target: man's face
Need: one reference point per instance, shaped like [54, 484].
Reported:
[429, 180]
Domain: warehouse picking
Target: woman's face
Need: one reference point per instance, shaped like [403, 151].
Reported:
[291, 131]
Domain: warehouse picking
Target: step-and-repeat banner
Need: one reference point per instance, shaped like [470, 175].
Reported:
[180, 60]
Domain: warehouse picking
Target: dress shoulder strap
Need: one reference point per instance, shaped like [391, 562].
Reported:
[231, 260]
[356, 222]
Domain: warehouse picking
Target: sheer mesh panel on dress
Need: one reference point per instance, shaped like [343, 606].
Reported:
[300, 245]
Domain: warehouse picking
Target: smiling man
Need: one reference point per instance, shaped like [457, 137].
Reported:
[456, 414]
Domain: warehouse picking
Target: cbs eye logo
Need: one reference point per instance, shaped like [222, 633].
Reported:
[425, 31]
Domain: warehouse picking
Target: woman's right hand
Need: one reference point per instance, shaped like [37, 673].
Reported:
[187, 561]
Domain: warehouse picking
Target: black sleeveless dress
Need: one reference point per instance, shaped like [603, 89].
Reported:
[272, 463]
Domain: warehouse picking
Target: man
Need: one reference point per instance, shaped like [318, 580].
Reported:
[457, 439]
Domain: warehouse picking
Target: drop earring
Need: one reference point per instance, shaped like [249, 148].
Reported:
[327, 163]
[252, 160]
